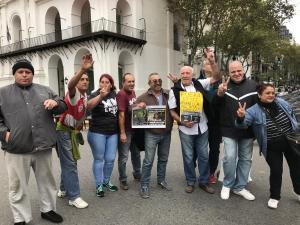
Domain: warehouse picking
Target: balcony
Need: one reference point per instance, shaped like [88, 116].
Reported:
[102, 28]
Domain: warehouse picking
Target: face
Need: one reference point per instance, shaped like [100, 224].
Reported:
[155, 82]
[83, 83]
[207, 70]
[268, 95]
[23, 76]
[236, 72]
[105, 83]
[186, 76]
[128, 84]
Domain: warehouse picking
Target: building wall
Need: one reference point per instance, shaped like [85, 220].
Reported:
[156, 56]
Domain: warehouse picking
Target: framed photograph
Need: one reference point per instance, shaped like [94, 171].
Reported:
[150, 117]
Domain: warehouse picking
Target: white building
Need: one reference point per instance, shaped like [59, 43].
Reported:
[137, 36]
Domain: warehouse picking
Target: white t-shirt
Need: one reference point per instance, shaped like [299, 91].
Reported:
[203, 119]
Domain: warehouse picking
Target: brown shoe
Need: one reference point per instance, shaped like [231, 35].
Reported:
[207, 188]
[124, 185]
[189, 188]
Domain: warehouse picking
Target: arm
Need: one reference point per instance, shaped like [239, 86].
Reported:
[4, 133]
[95, 99]
[55, 103]
[123, 137]
[86, 63]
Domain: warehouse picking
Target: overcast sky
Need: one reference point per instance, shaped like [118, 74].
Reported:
[294, 24]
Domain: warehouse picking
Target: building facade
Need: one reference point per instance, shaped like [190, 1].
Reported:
[137, 36]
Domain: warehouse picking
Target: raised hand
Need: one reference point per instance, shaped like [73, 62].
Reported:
[104, 91]
[241, 110]
[223, 86]
[87, 61]
[209, 55]
[172, 78]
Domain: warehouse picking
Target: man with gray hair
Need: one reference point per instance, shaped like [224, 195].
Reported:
[193, 132]
[156, 138]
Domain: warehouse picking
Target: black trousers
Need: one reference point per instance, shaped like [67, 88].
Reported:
[275, 151]
[214, 140]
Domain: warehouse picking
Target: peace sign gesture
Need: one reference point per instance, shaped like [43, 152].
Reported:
[241, 110]
[223, 86]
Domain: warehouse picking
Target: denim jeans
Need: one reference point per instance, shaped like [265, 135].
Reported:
[123, 151]
[69, 173]
[237, 162]
[104, 149]
[200, 144]
[162, 143]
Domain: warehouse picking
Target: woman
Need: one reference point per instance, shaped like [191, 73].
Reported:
[263, 117]
[103, 133]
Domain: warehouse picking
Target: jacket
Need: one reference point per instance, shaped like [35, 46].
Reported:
[227, 105]
[23, 114]
[256, 117]
[149, 98]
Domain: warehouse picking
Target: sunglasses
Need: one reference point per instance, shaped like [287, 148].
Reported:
[156, 81]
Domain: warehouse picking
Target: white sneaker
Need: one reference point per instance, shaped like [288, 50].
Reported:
[61, 194]
[225, 192]
[245, 194]
[273, 203]
[79, 203]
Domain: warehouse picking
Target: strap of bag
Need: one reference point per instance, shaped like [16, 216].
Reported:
[273, 120]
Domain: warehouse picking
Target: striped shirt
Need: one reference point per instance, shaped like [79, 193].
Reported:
[282, 121]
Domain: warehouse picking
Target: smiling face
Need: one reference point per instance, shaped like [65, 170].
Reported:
[236, 72]
[186, 74]
[267, 95]
[155, 82]
[23, 76]
[128, 83]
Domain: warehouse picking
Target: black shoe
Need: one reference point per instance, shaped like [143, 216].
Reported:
[110, 187]
[100, 191]
[20, 223]
[124, 185]
[207, 188]
[52, 216]
[144, 192]
[164, 185]
[136, 176]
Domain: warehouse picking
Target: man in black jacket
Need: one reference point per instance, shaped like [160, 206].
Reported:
[238, 144]
[28, 135]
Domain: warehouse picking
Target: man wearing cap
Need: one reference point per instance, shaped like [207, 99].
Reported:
[27, 133]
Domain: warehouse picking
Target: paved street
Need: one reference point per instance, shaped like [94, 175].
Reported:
[176, 207]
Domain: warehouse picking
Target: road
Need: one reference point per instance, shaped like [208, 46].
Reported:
[175, 207]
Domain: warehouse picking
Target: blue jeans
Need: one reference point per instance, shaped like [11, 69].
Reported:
[237, 162]
[123, 151]
[162, 143]
[69, 173]
[104, 149]
[200, 144]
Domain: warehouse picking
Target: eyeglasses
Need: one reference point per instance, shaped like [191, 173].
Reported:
[156, 81]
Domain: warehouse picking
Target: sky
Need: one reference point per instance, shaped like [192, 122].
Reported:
[294, 24]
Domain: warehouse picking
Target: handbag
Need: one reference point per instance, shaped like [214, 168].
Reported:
[293, 138]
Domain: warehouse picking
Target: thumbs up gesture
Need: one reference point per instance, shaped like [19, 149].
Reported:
[223, 86]
[241, 110]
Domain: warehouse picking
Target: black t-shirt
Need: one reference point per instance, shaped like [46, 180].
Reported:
[105, 114]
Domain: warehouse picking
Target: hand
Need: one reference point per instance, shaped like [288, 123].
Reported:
[241, 110]
[172, 78]
[87, 61]
[223, 86]
[141, 105]
[123, 137]
[104, 91]
[188, 124]
[7, 135]
[50, 104]
[209, 55]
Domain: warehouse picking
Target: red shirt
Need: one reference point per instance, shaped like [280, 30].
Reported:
[124, 101]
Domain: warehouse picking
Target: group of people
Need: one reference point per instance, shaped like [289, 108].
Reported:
[234, 111]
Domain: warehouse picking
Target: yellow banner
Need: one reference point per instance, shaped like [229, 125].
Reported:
[191, 101]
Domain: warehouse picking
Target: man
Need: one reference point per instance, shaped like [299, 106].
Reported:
[193, 134]
[238, 143]
[28, 135]
[125, 99]
[70, 123]
[159, 138]
[214, 133]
